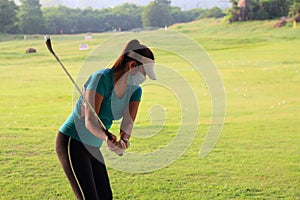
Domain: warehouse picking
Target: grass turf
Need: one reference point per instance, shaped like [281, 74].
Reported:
[257, 156]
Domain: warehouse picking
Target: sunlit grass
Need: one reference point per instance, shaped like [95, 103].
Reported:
[257, 156]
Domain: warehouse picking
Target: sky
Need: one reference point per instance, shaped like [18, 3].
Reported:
[184, 4]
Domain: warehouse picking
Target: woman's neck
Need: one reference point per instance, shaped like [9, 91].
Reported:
[120, 83]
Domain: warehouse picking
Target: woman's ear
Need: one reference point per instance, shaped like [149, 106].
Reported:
[132, 64]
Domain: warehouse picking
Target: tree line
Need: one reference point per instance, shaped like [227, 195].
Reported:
[31, 18]
[243, 10]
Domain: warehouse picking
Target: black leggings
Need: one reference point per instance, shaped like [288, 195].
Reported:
[84, 167]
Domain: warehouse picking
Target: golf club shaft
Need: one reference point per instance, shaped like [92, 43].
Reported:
[49, 46]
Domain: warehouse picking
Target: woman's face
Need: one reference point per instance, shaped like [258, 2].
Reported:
[134, 69]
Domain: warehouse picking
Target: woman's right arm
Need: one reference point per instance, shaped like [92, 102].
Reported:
[91, 122]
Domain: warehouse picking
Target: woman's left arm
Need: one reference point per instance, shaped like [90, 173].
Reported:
[128, 121]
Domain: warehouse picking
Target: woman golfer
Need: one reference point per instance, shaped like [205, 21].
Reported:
[114, 93]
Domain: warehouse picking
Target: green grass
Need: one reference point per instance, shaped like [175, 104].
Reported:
[257, 156]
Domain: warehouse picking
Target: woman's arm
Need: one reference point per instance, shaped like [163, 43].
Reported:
[91, 122]
[128, 120]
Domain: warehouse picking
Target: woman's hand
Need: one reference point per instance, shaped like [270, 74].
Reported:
[113, 144]
[110, 136]
[124, 139]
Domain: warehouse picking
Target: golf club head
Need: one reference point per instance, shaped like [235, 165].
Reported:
[48, 43]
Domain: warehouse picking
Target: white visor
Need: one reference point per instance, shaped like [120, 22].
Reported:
[147, 63]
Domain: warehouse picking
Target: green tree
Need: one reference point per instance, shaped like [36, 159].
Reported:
[232, 13]
[31, 17]
[127, 16]
[157, 14]
[8, 16]
[215, 12]
[275, 8]
[294, 9]
[179, 16]
[260, 9]
[61, 19]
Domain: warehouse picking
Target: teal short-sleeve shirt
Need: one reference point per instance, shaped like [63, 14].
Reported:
[112, 107]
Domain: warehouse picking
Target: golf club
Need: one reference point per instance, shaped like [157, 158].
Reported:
[49, 46]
